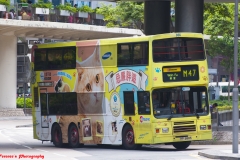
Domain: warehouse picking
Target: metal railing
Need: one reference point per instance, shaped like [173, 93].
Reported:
[222, 118]
[53, 16]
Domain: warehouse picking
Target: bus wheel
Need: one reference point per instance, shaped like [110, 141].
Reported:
[181, 145]
[57, 136]
[73, 137]
[128, 138]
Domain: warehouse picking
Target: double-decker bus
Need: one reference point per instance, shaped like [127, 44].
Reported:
[122, 91]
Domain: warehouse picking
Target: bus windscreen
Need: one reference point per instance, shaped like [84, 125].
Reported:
[178, 49]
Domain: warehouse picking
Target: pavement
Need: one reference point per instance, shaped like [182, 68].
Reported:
[212, 154]
[220, 154]
[16, 118]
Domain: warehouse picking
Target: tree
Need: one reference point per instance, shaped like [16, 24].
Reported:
[125, 14]
[219, 20]
[223, 47]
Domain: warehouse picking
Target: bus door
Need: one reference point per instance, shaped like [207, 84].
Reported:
[37, 120]
[45, 128]
[143, 123]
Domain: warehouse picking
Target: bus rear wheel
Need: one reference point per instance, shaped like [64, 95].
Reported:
[128, 139]
[57, 136]
[73, 137]
[181, 145]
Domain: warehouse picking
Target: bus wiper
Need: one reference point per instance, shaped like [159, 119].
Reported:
[197, 115]
[170, 117]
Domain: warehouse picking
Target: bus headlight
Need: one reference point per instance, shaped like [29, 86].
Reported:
[165, 130]
[203, 127]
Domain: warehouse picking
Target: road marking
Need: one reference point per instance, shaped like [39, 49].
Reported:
[41, 150]
[13, 141]
[81, 154]
[27, 147]
[195, 156]
[22, 128]
[59, 155]
[3, 134]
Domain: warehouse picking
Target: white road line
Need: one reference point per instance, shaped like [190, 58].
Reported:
[3, 134]
[13, 141]
[81, 154]
[59, 155]
[28, 128]
[41, 150]
[196, 156]
[27, 147]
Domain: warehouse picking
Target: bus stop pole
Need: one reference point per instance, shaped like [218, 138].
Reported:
[235, 111]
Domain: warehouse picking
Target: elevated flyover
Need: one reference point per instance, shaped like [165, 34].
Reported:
[56, 30]
[11, 29]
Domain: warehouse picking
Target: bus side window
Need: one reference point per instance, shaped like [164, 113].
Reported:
[143, 99]
[129, 108]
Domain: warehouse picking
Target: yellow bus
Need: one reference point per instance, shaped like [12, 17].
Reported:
[129, 91]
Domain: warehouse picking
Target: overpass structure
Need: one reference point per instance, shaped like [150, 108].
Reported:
[11, 29]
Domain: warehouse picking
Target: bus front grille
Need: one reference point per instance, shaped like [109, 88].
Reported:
[186, 128]
[183, 123]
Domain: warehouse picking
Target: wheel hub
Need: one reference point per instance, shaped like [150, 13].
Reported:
[129, 137]
[57, 136]
[74, 135]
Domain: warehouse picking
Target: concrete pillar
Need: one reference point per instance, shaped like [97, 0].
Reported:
[8, 71]
[156, 17]
[189, 16]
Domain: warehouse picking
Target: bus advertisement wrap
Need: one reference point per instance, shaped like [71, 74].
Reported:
[114, 92]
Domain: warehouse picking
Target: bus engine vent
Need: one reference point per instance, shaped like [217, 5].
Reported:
[186, 128]
[183, 123]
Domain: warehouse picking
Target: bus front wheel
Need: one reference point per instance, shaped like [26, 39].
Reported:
[57, 136]
[73, 136]
[128, 138]
[181, 145]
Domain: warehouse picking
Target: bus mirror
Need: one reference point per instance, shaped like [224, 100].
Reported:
[184, 89]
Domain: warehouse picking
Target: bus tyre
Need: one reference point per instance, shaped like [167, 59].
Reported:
[73, 137]
[181, 145]
[57, 136]
[128, 138]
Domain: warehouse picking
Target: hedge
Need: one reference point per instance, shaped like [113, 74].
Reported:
[20, 102]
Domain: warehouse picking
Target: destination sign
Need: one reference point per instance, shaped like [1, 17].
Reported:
[180, 73]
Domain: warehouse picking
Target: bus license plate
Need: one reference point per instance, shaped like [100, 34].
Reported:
[185, 138]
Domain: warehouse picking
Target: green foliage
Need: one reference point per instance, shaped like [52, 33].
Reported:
[125, 14]
[86, 9]
[110, 16]
[224, 104]
[219, 19]
[5, 2]
[131, 13]
[67, 7]
[20, 102]
[224, 48]
[41, 4]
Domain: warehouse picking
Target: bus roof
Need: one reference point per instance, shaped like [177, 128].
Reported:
[126, 39]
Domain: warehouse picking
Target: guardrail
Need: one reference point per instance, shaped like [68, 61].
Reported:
[224, 118]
